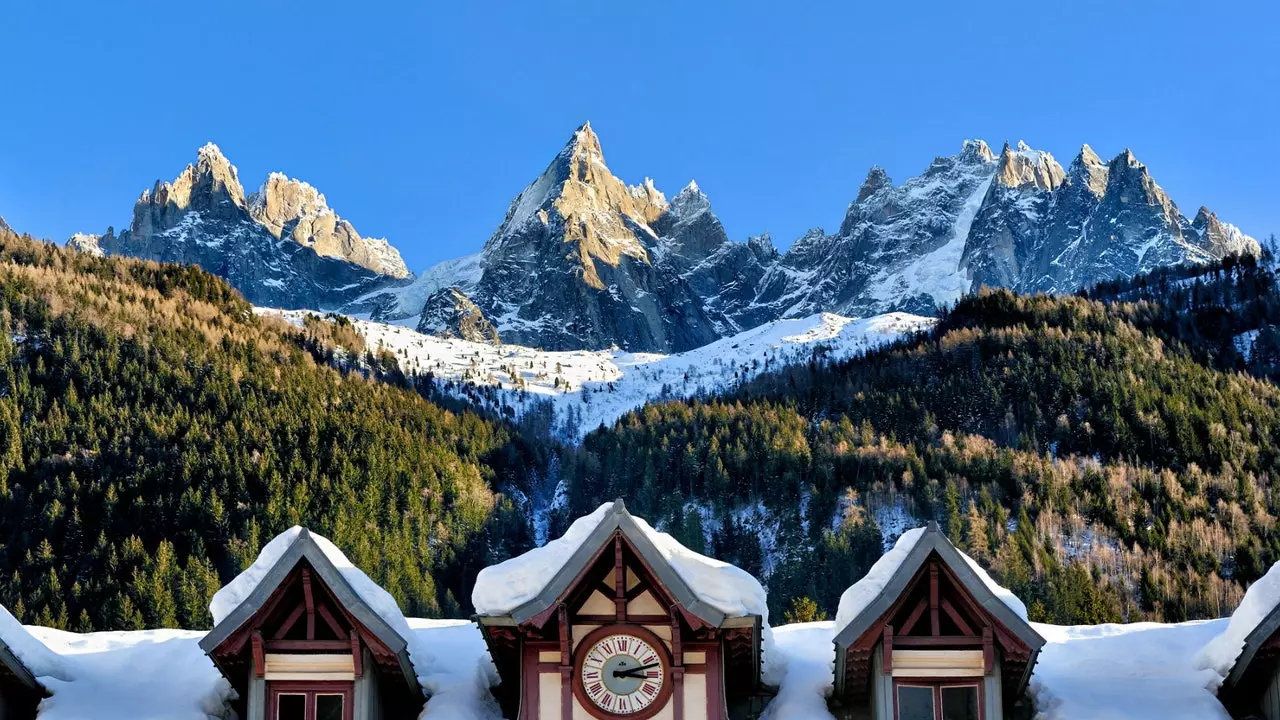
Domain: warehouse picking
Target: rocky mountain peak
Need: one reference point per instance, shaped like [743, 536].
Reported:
[1026, 167]
[690, 201]
[976, 151]
[877, 180]
[1089, 171]
[4, 226]
[762, 246]
[294, 209]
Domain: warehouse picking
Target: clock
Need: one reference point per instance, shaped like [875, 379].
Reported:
[622, 671]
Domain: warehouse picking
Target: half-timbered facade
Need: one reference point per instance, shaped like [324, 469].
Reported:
[935, 642]
[616, 632]
[304, 645]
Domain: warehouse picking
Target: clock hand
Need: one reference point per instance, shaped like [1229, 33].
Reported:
[630, 672]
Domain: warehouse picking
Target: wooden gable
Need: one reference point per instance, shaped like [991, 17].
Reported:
[304, 621]
[935, 602]
[618, 578]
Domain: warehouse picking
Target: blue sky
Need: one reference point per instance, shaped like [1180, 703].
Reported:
[421, 121]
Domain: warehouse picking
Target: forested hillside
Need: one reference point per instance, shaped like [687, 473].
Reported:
[154, 433]
[1092, 453]
[1110, 455]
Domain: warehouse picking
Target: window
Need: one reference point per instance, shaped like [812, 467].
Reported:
[309, 701]
[937, 701]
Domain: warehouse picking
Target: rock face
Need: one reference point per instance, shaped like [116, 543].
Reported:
[583, 261]
[4, 226]
[450, 313]
[281, 247]
[574, 264]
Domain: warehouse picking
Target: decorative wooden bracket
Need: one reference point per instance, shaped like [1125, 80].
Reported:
[259, 655]
[357, 657]
[888, 649]
[988, 650]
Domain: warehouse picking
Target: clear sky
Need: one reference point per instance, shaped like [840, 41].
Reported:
[422, 120]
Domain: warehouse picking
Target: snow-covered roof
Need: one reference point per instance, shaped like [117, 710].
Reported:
[139, 675]
[526, 585]
[872, 596]
[1136, 671]
[373, 606]
[1256, 619]
[26, 657]
[1140, 671]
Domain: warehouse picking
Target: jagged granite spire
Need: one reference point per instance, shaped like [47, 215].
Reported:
[202, 217]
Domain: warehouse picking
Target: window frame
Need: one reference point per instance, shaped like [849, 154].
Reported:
[938, 685]
[309, 691]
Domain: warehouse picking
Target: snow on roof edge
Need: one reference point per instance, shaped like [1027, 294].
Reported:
[1260, 601]
[859, 596]
[34, 655]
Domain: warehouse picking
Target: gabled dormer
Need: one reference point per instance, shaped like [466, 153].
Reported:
[303, 635]
[615, 620]
[925, 635]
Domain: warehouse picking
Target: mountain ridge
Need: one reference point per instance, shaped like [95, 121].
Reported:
[581, 260]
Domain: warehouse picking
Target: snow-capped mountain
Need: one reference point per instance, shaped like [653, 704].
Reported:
[280, 246]
[573, 264]
[583, 261]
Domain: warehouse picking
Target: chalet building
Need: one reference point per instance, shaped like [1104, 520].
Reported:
[615, 620]
[925, 637]
[303, 643]
[20, 692]
[1247, 653]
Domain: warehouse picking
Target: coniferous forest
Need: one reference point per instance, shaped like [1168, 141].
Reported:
[1110, 456]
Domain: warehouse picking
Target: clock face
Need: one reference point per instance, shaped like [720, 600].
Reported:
[622, 674]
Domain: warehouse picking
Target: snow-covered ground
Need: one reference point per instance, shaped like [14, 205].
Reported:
[587, 388]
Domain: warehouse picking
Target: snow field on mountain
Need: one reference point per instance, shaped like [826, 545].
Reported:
[587, 388]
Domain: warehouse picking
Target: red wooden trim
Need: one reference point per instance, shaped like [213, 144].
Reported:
[715, 686]
[677, 693]
[677, 652]
[259, 657]
[330, 620]
[934, 621]
[955, 617]
[566, 641]
[357, 656]
[584, 646]
[636, 591]
[915, 616]
[309, 690]
[530, 681]
[289, 622]
[619, 578]
[566, 669]
[308, 645]
[988, 650]
[888, 649]
[311, 606]
[908, 641]
[610, 619]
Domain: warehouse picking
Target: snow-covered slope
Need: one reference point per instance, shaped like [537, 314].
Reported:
[586, 388]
